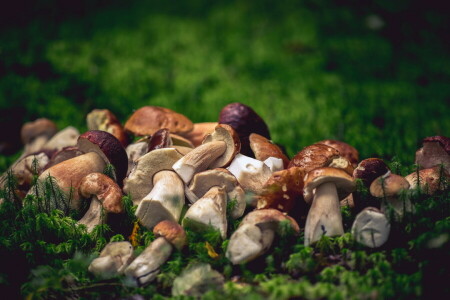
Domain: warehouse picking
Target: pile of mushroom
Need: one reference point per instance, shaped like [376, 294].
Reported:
[184, 174]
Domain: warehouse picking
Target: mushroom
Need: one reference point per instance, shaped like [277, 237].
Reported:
[145, 267]
[135, 151]
[325, 187]
[369, 169]
[263, 149]
[35, 134]
[104, 119]
[389, 187]
[217, 151]
[160, 139]
[62, 155]
[429, 180]
[148, 119]
[314, 156]
[205, 180]
[105, 195]
[196, 280]
[140, 181]
[245, 121]
[435, 151]
[275, 164]
[255, 235]
[371, 228]
[113, 259]
[199, 131]
[345, 150]
[210, 210]
[63, 138]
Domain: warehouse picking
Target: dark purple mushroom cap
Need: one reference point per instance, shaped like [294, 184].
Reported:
[245, 121]
[160, 139]
[108, 147]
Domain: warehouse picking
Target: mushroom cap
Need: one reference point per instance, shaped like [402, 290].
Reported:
[62, 155]
[63, 138]
[345, 184]
[282, 189]
[172, 232]
[245, 121]
[203, 181]
[199, 131]
[388, 185]
[263, 148]
[346, 150]
[442, 140]
[108, 147]
[105, 189]
[148, 119]
[435, 151]
[314, 156]
[160, 139]
[225, 133]
[369, 169]
[140, 181]
[178, 140]
[429, 179]
[104, 119]
[39, 127]
[268, 218]
[343, 163]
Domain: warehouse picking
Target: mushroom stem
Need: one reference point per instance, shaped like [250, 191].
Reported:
[199, 159]
[324, 217]
[93, 216]
[164, 202]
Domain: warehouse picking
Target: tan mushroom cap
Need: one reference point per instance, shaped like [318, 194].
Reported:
[263, 148]
[140, 182]
[148, 119]
[227, 134]
[172, 232]
[430, 180]
[345, 150]
[105, 189]
[268, 218]
[39, 127]
[104, 119]
[345, 184]
[313, 157]
[203, 181]
[199, 131]
[282, 189]
[388, 185]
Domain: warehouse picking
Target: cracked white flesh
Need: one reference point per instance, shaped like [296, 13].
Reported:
[324, 217]
[251, 173]
[371, 228]
[113, 259]
[145, 267]
[275, 164]
[164, 202]
[198, 159]
[210, 210]
[93, 216]
[248, 242]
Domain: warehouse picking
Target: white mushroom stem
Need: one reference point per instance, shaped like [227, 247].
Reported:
[145, 267]
[324, 217]
[164, 202]
[93, 216]
[199, 159]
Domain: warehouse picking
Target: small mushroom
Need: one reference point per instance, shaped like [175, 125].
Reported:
[145, 267]
[113, 259]
[35, 134]
[140, 181]
[429, 180]
[389, 187]
[196, 280]
[255, 235]
[263, 149]
[369, 169]
[199, 131]
[435, 151]
[371, 228]
[105, 195]
[325, 187]
[345, 150]
[217, 151]
[105, 120]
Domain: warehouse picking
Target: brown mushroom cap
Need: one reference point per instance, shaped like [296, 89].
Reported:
[203, 181]
[39, 127]
[199, 131]
[345, 184]
[314, 156]
[225, 133]
[160, 139]
[435, 151]
[108, 147]
[388, 185]
[345, 150]
[245, 121]
[430, 180]
[442, 140]
[282, 190]
[369, 169]
[62, 155]
[172, 232]
[104, 119]
[264, 148]
[105, 189]
[268, 218]
[148, 119]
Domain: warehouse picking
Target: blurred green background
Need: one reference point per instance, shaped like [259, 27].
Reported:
[375, 74]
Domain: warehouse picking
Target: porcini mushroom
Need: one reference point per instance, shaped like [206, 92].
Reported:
[263, 149]
[345, 150]
[369, 169]
[429, 180]
[435, 151]
[104, 119]
[217, 151]
[64, 138]
[324, 187]
[113, 259]
[105, 195]
[371, 228]
[199, 131]
[35, 134]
